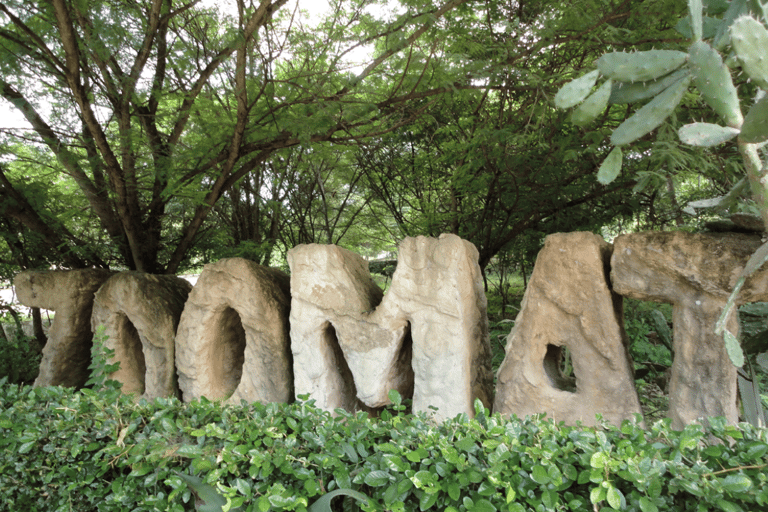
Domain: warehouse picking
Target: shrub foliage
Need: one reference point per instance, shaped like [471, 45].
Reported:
[83, 450]
[19, 360]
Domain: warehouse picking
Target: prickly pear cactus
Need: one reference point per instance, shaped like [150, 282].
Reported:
[663, 77]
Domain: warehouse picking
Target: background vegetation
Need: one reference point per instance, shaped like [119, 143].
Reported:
[166, 134]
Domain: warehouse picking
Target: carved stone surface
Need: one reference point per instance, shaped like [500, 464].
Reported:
[140, 313]
[70, 293]
[568, 304]
[696, 273]
[428, 337]
[233, 339]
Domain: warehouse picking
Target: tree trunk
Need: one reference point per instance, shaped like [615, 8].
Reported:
[37, 326]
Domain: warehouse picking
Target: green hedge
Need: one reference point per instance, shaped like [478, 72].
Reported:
[65, 450]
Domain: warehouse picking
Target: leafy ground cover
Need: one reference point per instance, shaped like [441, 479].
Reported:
[86, 451]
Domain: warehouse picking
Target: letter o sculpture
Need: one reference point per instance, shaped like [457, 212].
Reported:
[140, 313]
[233, 338]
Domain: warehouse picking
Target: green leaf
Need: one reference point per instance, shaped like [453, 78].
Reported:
[647, 505]
[212, 500]
[26, 447]
[611, 166]
[736, 483]
[466, 443]
[706, 134]
[483, 505]
[540, 475]
[423, 479]
[324, 503]
[454, 491]
[189, 450]
[574, 92]
[377, 478]
[615, 498]
[599, 460]
[597, 494]
[391, 494]
[427, 500]
[728, 506]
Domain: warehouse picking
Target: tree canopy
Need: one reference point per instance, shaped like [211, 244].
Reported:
[166, 133]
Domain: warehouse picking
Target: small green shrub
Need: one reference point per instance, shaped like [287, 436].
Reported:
[100, 366]
[646, 344]
[88, 451]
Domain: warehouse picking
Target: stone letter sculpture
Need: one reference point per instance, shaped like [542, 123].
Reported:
[568, 304]
[69, 293]
[428, 336]
[140, 313]
[696, 273]
[232, 341]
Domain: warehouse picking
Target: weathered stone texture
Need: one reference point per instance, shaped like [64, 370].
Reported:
[427, 337]
[233, 339]
[695, 273]
[568, 304]
[139, 313]
[70, 293]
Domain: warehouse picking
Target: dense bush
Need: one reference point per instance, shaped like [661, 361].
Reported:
[67, 450]
[19, 361]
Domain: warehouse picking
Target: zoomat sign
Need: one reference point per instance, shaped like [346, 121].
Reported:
[248, 332]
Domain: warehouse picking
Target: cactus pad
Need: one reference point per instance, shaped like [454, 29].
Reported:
[651, 115]
[713, 80]
[610, 167]
[574, 92]
[706, 134]
[640, 66]
[750, 40]
[592, 106]
[755, 127]
[627, 92]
